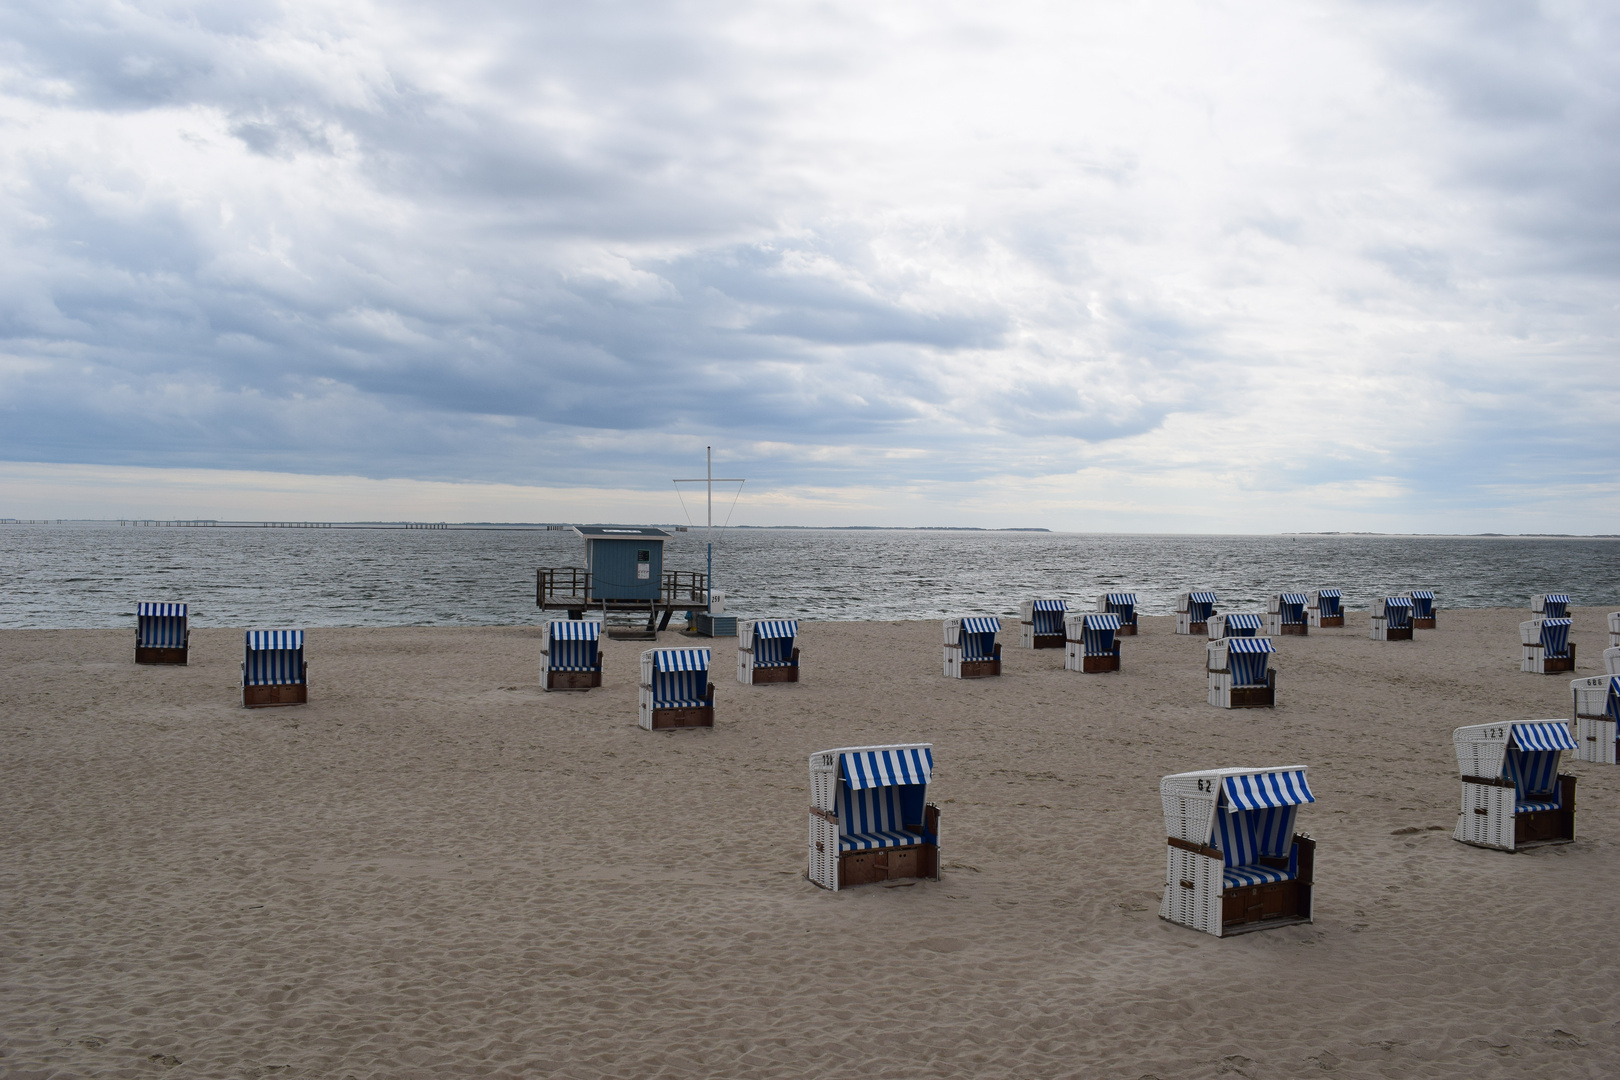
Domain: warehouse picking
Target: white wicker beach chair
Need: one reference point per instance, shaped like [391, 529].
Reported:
[1325, 609]
[1235, 624]
[675, 689]
[1614, 629]
[1239, 673]
[1391, 619]
[971, 649]
[1124, 605]
[570, 654]
[1513, 795]
[1597, 717]
[1553, 605]
[1285, 614]
[1544, 646]
[162, 634]
[274, 671]
[766, 652]
[1193, 610]
[1234, 862]
[870, 818]
[1423, 608]
[1040, 623]
[1091, 642]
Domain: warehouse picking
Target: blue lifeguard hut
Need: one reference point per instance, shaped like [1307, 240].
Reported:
[623, 573]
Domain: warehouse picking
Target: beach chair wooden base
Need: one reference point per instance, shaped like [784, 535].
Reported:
[1126, 630]
[1048, 641]
[683, 718]
[1423, 624]
[1331, 622]
[1397, 633]
[147, 655]
[1557, 665]
[888, 864]
[1198, 629]
[763, 675]
[1254, 697]
[1097, 664]
[1293, 629]
[572, 680]
[263, 697]
[981, 669]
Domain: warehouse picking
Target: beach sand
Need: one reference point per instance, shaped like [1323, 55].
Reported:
[435, 869]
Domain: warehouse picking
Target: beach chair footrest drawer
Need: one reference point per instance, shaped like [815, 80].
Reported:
[259, 697]
[573, 680]
[888, 864]
[683, 718]
[145, 654]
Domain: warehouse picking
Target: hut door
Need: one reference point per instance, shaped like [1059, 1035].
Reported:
[643, 564]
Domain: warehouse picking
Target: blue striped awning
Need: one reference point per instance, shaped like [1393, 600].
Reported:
[1051, 605]
[1121, 598]
[1332, 593]
[1245, 621]
[1397, 601]
[162, 611]
[1101, 620]
[1555, 598]
[1257, 791]
[1294, 598]
[1201, 597]
[269, 640]
[681, 659]
[576, 630]
[1249, 645]
[1543, 735]
[1422, 594]
[887, 768]
[776, 628]
[981, 626]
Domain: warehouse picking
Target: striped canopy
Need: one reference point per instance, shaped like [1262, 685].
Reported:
[575, 630]
[1256, 791]
[170, 611]
[681, 660]
[1332, 593]
[1250, 645]
[1422, 594]
[1102, 620]
[1294, 598]
[887, 768]
[1543, 735]
[1555, 598]
[1244, 621]
[776, 628]
[274, 640]
[1201, 597]
[981, 626]
[1051, 605]
[1123, 599]
[1397, 601]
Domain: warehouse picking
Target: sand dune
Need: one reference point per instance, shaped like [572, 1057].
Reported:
[435, 869]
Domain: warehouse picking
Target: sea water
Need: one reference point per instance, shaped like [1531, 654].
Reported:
[93, 575]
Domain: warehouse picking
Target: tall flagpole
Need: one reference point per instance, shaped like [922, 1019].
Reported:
[708, 479]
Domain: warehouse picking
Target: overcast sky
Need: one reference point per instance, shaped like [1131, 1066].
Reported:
[1161, 266]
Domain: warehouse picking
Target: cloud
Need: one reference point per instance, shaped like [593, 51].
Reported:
[1356, 248]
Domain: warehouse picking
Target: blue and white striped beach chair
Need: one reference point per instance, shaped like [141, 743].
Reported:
[1235, 624]
[870, 818]
[571, 654]
[1233, 861]
[1193, 610]
[1325, 608]
[1122, 604]
[1597, 717]
[1614, 629]
[1391, 619]
[1040, 623]
[1239, 673]
[1424, 608]
[1553, 605]
[971, 649]
[675, 689]
[767, 651]
[274, 671]
[1544, 646]
[162, 634]
[1091, 642]
[1285, 614]
[1512, 793]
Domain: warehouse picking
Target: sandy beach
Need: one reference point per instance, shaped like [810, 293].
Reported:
[436, 869]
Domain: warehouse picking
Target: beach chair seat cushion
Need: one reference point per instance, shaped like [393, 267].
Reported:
[1526, 806]
[873, 840]
[681, 703]
[1253, 874]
